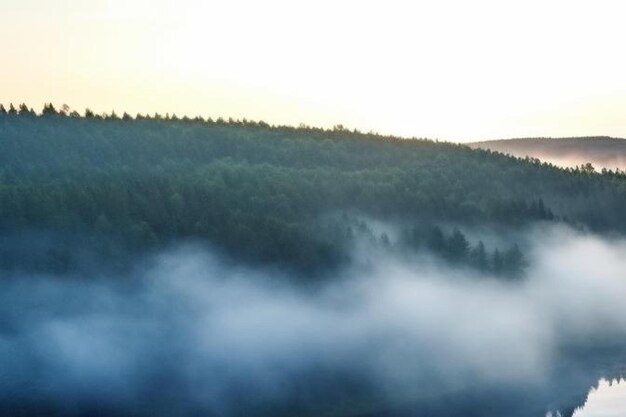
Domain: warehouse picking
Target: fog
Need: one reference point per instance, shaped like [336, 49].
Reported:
[601, 152]
[187, 333]
[610, 161]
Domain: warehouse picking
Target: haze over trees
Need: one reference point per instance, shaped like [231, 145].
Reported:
[433, 270]
[586, 153]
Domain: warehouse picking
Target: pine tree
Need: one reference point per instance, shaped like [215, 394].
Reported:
[478, 257]
[496, 262]
[48, 110]
[513, 262]
[22, 109]
[457, 246]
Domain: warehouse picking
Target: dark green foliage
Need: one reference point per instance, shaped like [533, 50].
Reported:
[457, 247]
[48, 110]
[457, 250]
[259, 192]
[25, 111]
[513, 262]
[497, 262]
[478, 257]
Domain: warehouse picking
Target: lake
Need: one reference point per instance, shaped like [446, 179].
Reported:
[607, 399]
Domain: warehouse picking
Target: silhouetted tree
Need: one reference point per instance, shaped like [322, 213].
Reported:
[457, 246]
[587, 168]
[478, 257]
[49, 110]
[514, 262]
[24, 110]
[497, 262]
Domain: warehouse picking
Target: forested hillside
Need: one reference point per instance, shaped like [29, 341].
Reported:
[280, 195]
[601, 152]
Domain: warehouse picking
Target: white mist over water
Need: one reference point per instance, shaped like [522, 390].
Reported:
[608, 399]
[200, 333]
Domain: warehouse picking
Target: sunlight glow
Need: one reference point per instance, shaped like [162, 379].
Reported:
[447, 69]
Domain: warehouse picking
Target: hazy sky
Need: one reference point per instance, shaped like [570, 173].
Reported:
[442, 69]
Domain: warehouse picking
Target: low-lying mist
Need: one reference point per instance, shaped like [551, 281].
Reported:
[188, 334]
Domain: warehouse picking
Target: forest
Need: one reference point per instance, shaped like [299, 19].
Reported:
[165, 266]
[296, 197]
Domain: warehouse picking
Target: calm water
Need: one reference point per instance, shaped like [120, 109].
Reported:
[608, 399]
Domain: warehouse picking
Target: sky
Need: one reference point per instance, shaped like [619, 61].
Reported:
[449, 70]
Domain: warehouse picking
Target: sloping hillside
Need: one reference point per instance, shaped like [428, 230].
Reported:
[270, 194]
[601, 151]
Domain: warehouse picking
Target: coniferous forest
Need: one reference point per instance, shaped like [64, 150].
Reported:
[275, 194]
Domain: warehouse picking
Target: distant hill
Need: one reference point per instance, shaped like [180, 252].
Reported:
[600, 151]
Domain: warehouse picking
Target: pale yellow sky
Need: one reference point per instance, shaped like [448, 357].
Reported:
[455, 70]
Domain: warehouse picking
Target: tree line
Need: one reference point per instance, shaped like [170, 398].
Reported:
[263, 193]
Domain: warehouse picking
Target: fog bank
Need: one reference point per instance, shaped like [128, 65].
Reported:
[188, 334]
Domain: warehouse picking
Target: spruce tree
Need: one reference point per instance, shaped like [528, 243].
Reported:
[48, 110]
[478, 257]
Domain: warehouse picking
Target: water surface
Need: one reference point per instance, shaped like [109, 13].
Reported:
[607, 399]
